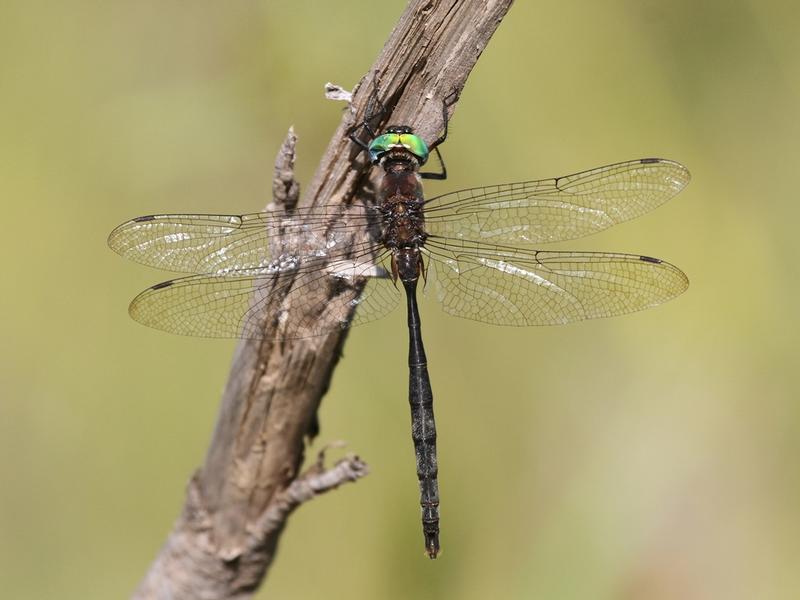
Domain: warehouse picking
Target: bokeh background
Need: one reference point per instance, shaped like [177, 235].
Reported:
[653, 456]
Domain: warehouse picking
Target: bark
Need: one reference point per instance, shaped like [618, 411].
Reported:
[238, 502]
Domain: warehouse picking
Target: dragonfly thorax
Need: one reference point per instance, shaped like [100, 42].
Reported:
[401, 204]
[403, 223]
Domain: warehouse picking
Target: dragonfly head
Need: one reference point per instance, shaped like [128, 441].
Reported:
[398, 137]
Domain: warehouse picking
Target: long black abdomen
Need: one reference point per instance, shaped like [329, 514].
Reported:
[423, 427]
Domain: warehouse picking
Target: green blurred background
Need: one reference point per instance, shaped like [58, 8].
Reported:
[653, 456]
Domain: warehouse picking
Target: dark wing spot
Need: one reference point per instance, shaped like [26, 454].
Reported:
[650, 161]
[162, 285]
[650, 259]
[145, 218]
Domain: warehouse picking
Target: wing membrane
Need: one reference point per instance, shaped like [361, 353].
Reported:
[255, 267]
[551, 210]
[508, 286]
[215, 244]
[237, 304]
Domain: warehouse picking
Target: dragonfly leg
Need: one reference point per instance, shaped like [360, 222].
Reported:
[446, 103]
[440, 175]
[370, 114]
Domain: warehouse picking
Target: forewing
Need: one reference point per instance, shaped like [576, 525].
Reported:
[550, 210]
[214, 244]
[507, 286]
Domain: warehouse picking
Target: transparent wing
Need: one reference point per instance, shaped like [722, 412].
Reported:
[309, 300]
[508, 286]
[214, 244]
[556, 209]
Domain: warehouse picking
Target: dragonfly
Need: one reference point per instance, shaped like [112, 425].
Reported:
[478, 247]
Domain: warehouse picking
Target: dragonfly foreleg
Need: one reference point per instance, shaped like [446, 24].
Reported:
[370, 114]
[449, 100]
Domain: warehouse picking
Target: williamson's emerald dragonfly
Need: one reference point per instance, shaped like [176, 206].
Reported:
[475, 246]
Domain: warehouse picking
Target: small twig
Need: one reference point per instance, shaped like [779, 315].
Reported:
[285, 188]
[314, 481]
[337, 92]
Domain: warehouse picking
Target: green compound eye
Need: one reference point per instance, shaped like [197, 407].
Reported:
[381, 145]
[413, 143]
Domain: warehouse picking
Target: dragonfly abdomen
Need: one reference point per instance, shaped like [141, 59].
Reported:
[423, 426]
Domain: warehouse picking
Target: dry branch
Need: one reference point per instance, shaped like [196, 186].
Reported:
[237, 504]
